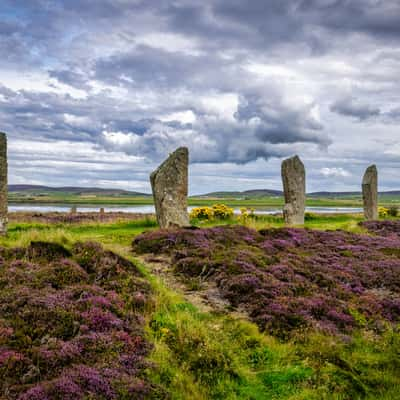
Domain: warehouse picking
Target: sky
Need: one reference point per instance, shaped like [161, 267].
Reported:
[99, 92]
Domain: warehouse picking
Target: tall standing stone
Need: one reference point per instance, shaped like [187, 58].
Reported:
[294, 187]
[3, 184]
[169, 183]
[370, 192]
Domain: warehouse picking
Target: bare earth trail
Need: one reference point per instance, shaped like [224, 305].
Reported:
[205, 296]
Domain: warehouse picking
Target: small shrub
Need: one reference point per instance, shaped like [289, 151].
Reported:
[217, 211]
[383, 212]
[47, 251]
[246, 214]
[221, 211]
[202, 213]
[308, 216]
[393, 211]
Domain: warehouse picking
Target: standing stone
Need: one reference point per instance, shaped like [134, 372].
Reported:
[3, 184]
[169, 183]
[370, 192]
[294, 187]
[74, 210]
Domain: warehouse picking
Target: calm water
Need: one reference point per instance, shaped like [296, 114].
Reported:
[150, 209]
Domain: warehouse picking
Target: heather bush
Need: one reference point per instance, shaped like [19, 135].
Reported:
[61, 273]
[290, 279]
[81, 217]
[70, 328]
[382, 228]
[47, 251]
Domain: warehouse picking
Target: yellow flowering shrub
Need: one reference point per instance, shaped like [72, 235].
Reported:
[383, 212]
[218, 211]
[202, 213]
[245, 214]
[221, 211]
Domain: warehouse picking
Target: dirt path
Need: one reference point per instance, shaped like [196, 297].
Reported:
[202, 294]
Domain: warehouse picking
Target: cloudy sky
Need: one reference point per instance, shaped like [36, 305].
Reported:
[97, 92]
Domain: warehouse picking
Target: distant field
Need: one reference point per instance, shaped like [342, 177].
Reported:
[272, 201]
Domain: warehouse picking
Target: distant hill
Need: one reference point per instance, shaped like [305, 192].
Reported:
[259, 193]
[245, 194]
[35, 189]
[333, 194]
[351, 194]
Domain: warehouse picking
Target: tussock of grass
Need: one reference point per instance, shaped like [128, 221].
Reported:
[212, 356]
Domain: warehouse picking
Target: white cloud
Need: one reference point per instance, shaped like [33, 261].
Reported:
[335, 171]
[185, 117]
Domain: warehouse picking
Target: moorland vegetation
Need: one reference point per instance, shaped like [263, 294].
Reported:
[311, 313]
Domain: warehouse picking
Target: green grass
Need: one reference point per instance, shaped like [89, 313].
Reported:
[347, 222]
[205, 355]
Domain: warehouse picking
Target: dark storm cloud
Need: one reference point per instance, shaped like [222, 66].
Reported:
[146, 66]
[252, 134]
[258, 130]
[362, 111]
[277, 124]
[264, 24]
[255, 24]
[69, 77]
[379, 18]
[350, 107]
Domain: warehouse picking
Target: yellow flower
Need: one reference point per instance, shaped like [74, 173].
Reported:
[383, 212]
[221, 211]
[164, 331]
[202, 213]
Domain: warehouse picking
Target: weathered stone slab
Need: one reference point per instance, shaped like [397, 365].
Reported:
[294, 188]
[169, 183]
[3, 184]
[370, 192]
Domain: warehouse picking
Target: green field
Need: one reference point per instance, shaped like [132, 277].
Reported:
[65, 198]
[202, 354]
[127, 200]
